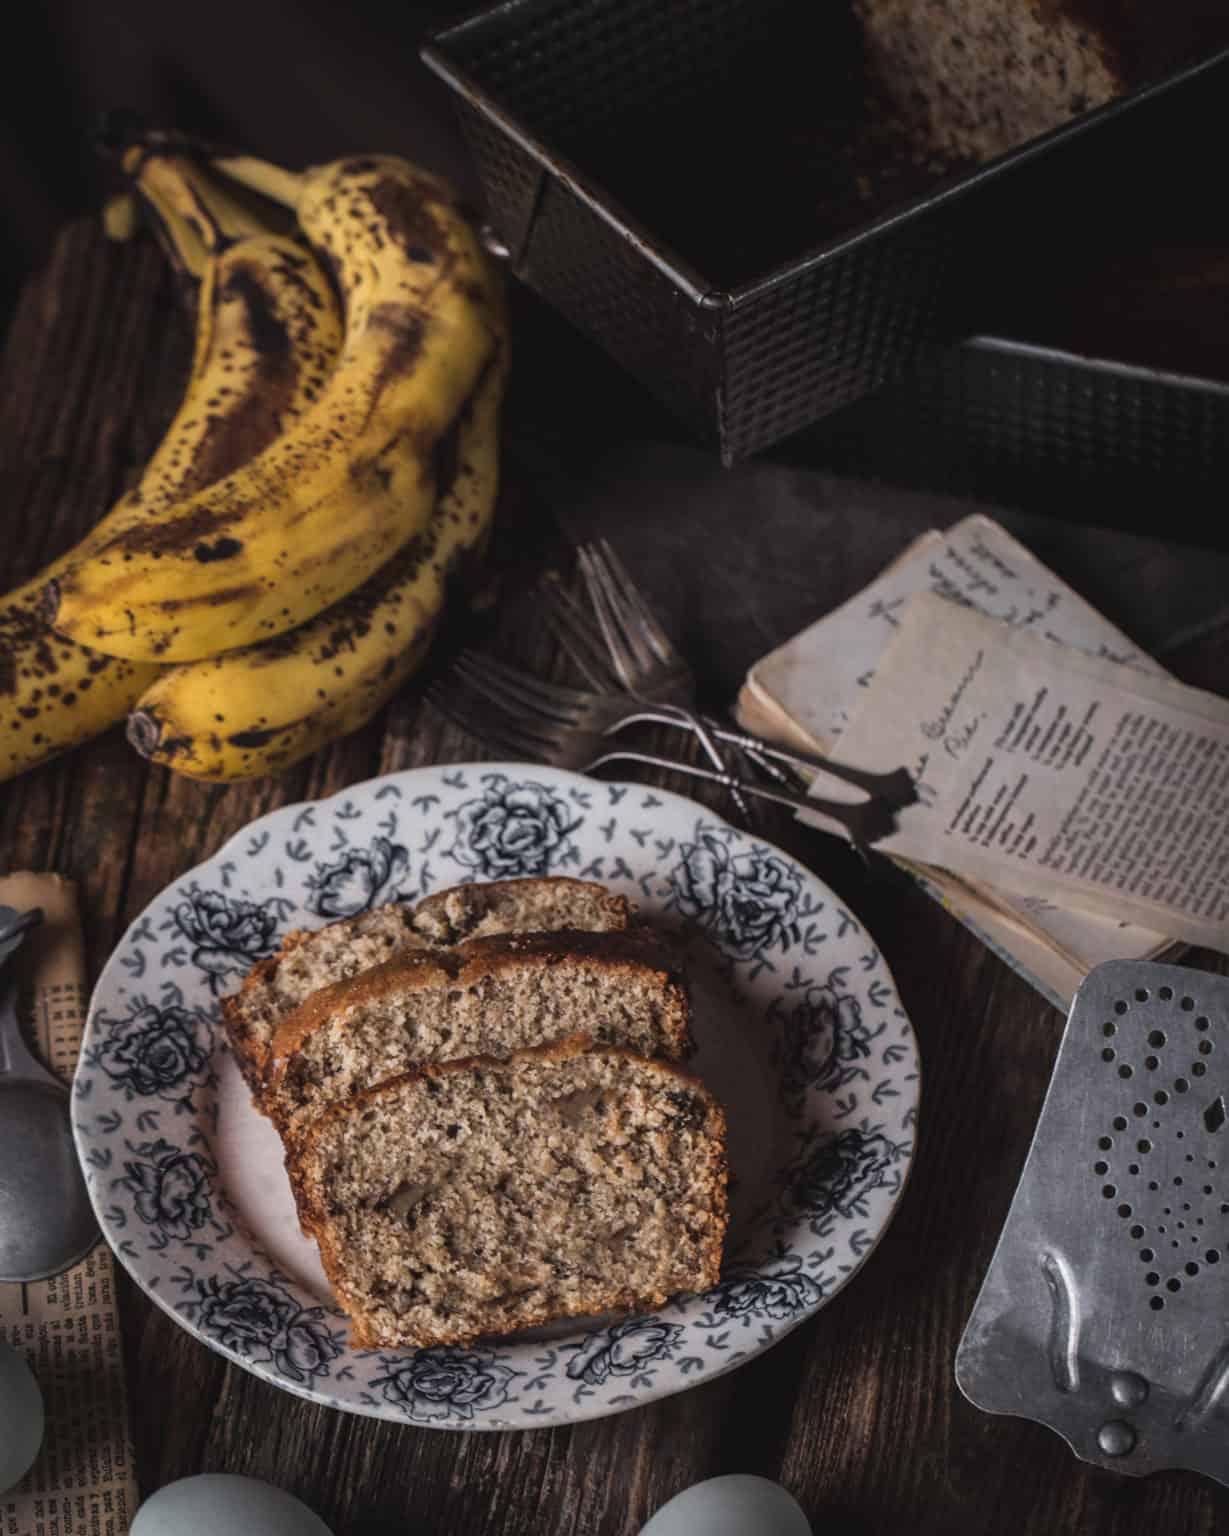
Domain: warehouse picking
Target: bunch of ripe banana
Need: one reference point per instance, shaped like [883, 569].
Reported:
[279, 570]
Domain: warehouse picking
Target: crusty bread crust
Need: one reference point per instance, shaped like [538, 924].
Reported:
[431, 922]
[637, 954]
[251, 1054]
[711, 1181]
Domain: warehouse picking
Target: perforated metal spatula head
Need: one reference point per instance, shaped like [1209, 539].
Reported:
[1105, 1311]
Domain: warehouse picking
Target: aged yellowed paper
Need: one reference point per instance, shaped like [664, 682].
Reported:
[1052, 774]
[83, 1482]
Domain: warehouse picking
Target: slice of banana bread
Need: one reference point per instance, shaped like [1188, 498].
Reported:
[478, 1197]
[309, 960]
[485, 997]
[975, 78]
[538, 905]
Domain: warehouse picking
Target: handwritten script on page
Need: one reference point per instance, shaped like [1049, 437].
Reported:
[1052, 774]
[820, 676]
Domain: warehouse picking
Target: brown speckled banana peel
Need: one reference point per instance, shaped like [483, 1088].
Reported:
[268, 331]
[332, 500]
[53, 693]
[260, 709]
[268, 336]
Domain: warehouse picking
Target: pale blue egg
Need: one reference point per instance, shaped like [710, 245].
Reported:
[738, 1505]
[21, 1418]
[220, 1504]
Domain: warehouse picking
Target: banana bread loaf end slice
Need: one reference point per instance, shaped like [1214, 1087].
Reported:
[479, 1197]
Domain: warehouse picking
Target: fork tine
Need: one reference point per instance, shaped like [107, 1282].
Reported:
[502, 732]
[500, 682]
[561, 695]
[484, 729]
[620, 659]
[583, 641]
[633, 602]
[632, 659]
[528, 722]
[641, 650]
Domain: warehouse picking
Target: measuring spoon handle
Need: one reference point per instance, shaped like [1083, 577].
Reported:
[16, 1058]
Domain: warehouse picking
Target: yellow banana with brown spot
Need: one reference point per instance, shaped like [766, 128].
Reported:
[268, 331]
[268, 335]
[262, 708]
[322, 508]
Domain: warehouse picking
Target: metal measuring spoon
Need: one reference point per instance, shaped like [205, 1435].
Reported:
[46, 1221]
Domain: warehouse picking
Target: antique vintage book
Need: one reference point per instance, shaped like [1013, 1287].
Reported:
[809, 690]
[1051, 774]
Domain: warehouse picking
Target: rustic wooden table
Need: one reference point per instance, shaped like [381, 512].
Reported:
[857, 1411]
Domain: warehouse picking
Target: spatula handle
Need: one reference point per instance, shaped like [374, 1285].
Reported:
[16, 1059]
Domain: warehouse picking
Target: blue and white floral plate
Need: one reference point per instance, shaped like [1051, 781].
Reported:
[800, 1033]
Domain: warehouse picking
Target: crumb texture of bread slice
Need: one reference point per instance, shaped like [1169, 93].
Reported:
[482, 1197]
[486, 997]
[311, 960]
[975, 78]
[306, 962]
[541, 905]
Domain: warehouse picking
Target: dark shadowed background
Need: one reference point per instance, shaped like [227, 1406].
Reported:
[1135, 267]
[293, 80]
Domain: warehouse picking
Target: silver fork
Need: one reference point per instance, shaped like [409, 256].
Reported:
[649, 668]
[523, 717]
[629, 651]
[568, 725]
[643, 656]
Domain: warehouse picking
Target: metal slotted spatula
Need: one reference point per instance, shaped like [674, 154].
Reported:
[1105, 1311]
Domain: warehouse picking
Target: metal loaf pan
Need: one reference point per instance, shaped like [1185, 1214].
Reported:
[1086, 439]
[748, 364]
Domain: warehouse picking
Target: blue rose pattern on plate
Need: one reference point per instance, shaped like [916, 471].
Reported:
[227, 936]
[361, 879]
[805, 972]
[154, 1052]
[514, 829]
[170, 1188]
[443, 1385]
[262, 1322]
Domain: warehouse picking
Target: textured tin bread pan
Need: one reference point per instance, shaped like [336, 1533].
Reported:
[555, 96]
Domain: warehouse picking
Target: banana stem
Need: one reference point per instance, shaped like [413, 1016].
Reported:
[121, 217]
[200, 198]
[262, 176]
[181, 242]
[144, 732]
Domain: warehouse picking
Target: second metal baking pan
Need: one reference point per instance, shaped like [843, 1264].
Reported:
[553, 94]
[1085, 439]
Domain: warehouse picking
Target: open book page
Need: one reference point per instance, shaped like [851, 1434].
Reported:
[816, 677]
[1084, 938]
[803, 694]
[1048, 773]
[1081, 939]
